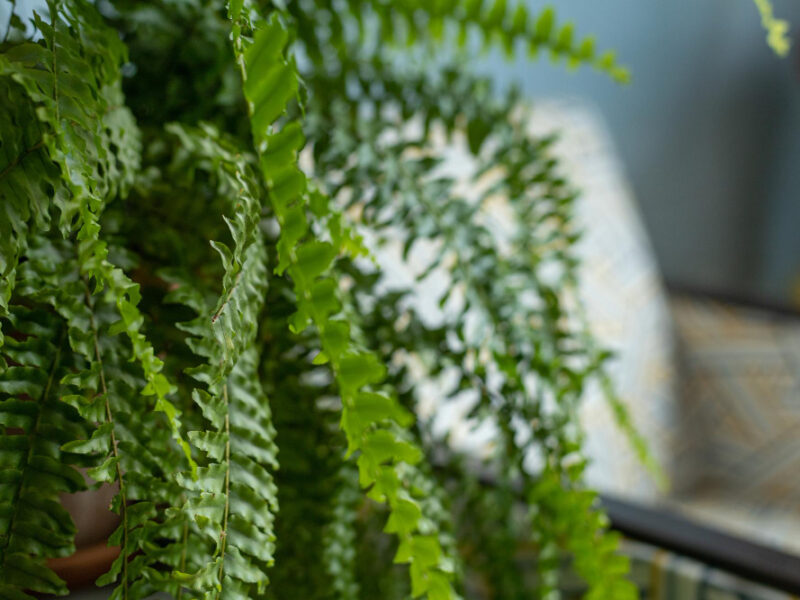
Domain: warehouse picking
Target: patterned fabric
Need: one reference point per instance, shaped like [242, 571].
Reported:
[741, 406]
[624, 299]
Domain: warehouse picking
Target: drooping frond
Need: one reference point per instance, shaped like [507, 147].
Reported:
[232, 501]
[129, 445]
[34, 422]
[77, 150]
[27, 177]
[270, 80]
[522, 327]
[72, 79]
[61, 93]
[511, 25]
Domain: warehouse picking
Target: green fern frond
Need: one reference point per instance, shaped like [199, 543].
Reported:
[71, 76]
[269, 83]
[519, 339]
[129, 445]
[73, 79]
[776, 29]
[26, 173]
[164, 288]
[235, 479]
[33, 425]
[339, 541]
[510, 25]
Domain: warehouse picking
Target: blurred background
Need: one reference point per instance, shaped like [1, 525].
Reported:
[708, 132]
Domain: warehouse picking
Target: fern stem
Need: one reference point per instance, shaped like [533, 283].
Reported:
[55, 64]
[123, 509]
[184, 542]
[223, 534]
[222, 307]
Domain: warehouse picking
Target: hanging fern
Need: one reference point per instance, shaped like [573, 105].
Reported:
[191, 308]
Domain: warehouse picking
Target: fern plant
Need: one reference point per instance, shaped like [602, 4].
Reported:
[190, 197]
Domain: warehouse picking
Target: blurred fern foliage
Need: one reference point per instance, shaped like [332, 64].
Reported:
[190, 197]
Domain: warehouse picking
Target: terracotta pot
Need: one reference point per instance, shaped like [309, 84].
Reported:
[94, 522]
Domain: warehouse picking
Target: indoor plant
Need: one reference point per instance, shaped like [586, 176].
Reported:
[135, 133]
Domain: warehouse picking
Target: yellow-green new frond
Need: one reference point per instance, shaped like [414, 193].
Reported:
[777, 29]
[371, 419]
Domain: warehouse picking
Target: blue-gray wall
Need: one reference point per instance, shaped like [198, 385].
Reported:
[709, 131]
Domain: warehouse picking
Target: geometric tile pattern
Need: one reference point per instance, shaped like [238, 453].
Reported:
[741, 411]
[741, 384]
